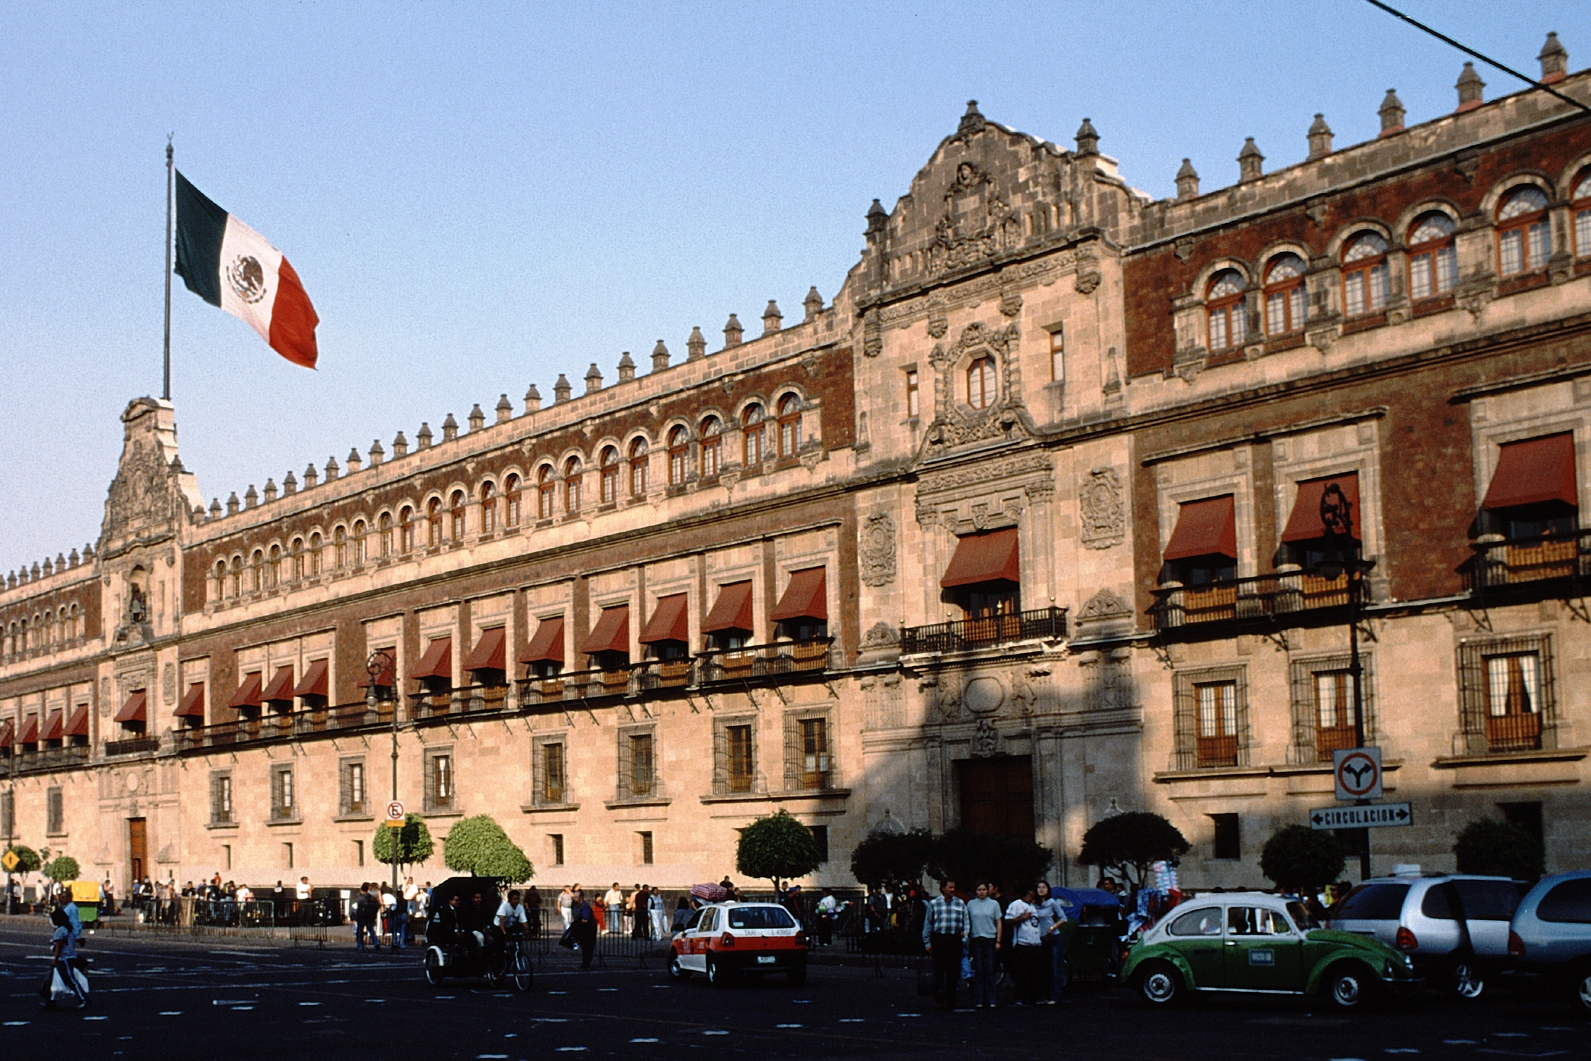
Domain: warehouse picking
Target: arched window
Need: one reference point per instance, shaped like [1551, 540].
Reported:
[1223, 304]
[511, 493]
[1580, 203]
[678, 446]
[981, 386]
[610, 475]
[297, 550]
[488, 508]
[1433, 262]
[640, 457]
[1364, 275]
[433, 520]
[458, 509]
[545, 485]
[751, 429]
[572, 475]
[257, 570]
[1524, 242]
[273, 570]
[1284, 295]
[339, 548]
[384, 526]
[359, 542]
[406, 529]
[237, 576]
[220, 579]
[789, 425]
[712, 434]
[314, 555]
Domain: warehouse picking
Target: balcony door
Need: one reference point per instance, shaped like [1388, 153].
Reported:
[997, 795]
[137, 849]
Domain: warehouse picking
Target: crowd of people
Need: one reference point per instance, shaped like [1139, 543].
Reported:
[990, 937]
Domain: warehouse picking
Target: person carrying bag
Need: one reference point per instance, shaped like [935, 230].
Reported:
[66, 979]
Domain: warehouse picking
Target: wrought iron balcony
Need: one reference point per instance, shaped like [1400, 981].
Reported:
[1267, 598]
[758, 662]
[1501, 563]
[966, 634]
[51, 759]
[140, 745]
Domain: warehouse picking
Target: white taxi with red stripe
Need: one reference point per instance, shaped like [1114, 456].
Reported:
[724, 940]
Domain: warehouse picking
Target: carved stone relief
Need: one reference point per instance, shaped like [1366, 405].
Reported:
[168, 684]
[1104, 521]
[985, 739]
[984, 695]
[877, 551]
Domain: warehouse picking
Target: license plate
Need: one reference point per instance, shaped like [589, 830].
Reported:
[766, 959]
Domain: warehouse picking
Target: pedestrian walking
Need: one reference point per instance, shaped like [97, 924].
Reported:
[566, 906]
[1052, 925]
[614, 902]
[828, 909]
[585, 927]
[984, 919]
[366, 909]
[63, 962]
[944, 932]
[1027, 948]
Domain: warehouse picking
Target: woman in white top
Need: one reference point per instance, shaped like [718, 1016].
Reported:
[566, 906]
[1027, 946]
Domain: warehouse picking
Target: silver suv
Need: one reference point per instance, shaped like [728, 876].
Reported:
[1454, 926]
[1552, 933]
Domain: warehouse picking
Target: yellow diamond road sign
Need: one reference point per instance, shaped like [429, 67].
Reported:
[10, 861]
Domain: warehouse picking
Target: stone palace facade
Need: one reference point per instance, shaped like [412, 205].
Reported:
[1024, 528]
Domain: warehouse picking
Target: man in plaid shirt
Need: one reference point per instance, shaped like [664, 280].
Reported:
[944, 933]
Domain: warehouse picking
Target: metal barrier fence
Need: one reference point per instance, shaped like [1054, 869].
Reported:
[191, 911]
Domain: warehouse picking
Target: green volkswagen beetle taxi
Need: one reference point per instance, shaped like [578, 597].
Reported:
[1254, 941]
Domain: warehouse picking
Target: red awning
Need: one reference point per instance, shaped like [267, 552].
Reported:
[52, 727]
[77, 723]
[437, 661]
[312, 684]
[1204, 528]
[7, 732]
[806, 597]
[248, 694]
[732, 609]
[133, 710]
[547, 644]
[30, 731]
[670, 622]
[386, 678]
[1533, 471]
[612, 632]
[1305, 523]
[488, 651]
[990, 557]
[281, 687]
[192, 705]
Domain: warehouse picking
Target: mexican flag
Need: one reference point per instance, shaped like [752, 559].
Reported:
[228, 264]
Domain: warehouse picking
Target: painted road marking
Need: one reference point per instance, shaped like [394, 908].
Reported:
[787, 1025]
[645, 1040]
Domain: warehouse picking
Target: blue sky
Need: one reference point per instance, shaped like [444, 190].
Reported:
[481, 196]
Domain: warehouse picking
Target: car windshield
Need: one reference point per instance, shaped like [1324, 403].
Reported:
[1301, 916]
[760, 917]
[1372, 902]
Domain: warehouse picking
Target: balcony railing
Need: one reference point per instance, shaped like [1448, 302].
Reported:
[1266, 597]
[132, 746]
[281, 726]
[51, 759]
[1512, 562]
[965, 634]
[766, 661]
[465, 700]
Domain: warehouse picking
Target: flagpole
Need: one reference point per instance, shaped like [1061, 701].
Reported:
[165, 393]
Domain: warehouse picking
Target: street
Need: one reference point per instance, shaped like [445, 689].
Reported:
[160, 998]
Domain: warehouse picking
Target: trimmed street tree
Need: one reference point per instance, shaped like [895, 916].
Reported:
[1301, 859]
[414, 844]
[970, 857]
[28, 860]
[478, 846]
[62, 869]
[1126, 845]
[777, 848]
[1498, 848]
[892, 858]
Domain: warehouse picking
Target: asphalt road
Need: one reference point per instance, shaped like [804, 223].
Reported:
[169, 1000]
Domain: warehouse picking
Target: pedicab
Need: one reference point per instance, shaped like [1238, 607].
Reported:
[1094, 929]
[476, 947]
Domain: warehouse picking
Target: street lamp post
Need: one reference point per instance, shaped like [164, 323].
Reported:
[381, 662]
[1336, 517]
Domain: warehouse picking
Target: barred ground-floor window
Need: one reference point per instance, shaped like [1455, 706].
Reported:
[1506, 693]
[1211, 718]
[1323, 706]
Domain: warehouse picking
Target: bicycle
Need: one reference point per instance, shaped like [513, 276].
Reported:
[514, 964]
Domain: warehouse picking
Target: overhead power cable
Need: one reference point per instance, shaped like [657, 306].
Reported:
[1532, 82]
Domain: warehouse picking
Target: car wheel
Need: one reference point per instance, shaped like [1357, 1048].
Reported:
[1582, 990]
[1348, 986]
[1468, 982]
[676, 971]
[1160, 984]
[433, 967]
[797, 974]
[715, 973]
